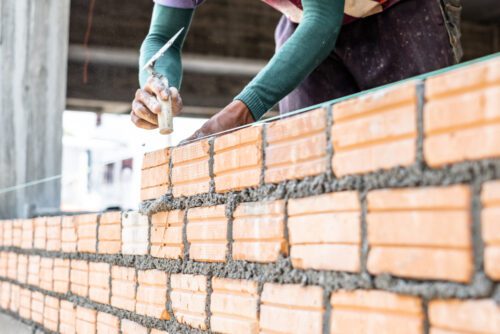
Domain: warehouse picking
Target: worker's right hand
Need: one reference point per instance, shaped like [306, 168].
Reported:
[145, 107]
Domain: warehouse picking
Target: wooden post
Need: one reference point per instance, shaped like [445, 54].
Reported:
[33, 65]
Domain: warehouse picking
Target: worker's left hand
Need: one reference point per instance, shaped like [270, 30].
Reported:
[146, 108]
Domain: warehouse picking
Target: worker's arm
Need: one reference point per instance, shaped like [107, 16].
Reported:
[312, 42]
[165, 23]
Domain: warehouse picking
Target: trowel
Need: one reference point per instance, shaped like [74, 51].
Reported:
[165, 118]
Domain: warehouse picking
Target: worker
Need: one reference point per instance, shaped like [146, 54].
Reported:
[326, 49]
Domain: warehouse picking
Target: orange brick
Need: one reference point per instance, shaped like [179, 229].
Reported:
[188, 297]
[123, 283]
[34, 270]
[40, 233]
[375, 131]
[190, 172]
[12, 266]
[17, 232]
[155, 170]
[86, 320]
[233, 305]
[296, 147]
[69, 238]
[15, 290]
[46, 273]
[325, 232]
[291, 309]
[5, 295]
[152, 294]
[259, 231]
[51, 313]
[130, 327]
[490, 218]
[462, 106]
[7, 232]
[54, 234]
[67, 314]
[4, 264]
[25, 304]
[61, 275]
[207, 234]
[37, 307]
[110, 233]
[375, 312]
[2, 223]
[27, 234]
[421, 233]
[86, 226]
[79, 277]
[471, 316]
[107, 324]
[166, 234]
[99, 276]
[238, 159]
[22, 268]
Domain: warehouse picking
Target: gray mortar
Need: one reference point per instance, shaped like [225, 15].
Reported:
[229, 211]
[185, 241]
[211, 159]
[208, 299]
[364, 233]
[168, 304]
[328, 311]
[477, 239]
[170, 169]
[329, 142]
[286, 231]
[420, 124]
[262, 180]
[496, 295]
[425, 310]
[150, 224]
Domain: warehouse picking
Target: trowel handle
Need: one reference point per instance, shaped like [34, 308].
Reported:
[165, 118]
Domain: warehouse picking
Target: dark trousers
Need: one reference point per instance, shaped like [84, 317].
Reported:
[411, 38]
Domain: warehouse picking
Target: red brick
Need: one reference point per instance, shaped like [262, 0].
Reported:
[234, 305]
[135, 230]
[99, 276]
[207, 234]
[421, 233]
[123, 287]
[7, 232]
[22, 268]
[27, 234]
[296, 147]
[470, 316]
[37, 307]
[40, 233]
[15, 290]
[4, 264]
[490, 218]
[190, 172]
[67, 314]
[291, 309]
[259, 231]
[110, 233]
[17, 232]
[238, 159]
[375, 312]
[152, 294]
[79, 277]
[375, 131]
[166, 234]
[107, 324]
[325, 232]
[46, 273]
[86, 320]
[69, 238]
[51, 313]
[86, 226]
[188, 297]
[5, 288]
[34, 270]
[462, 106]
[155, 170]
[12, 266]
[61, 275]
[130, 327]
[54, 234]
[25, 304]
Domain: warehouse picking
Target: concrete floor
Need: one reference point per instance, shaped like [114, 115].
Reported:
[9, 325]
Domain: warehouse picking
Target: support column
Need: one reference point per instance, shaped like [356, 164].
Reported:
[33, 65]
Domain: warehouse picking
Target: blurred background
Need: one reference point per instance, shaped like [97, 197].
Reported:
[68, 73]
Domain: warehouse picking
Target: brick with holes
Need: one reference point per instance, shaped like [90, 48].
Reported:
[152, 294]
[40, 233]
[188, 298]
[61, 275]
[99, 282]
[27, 234]
[69, 238]
[490, 218]
[86, 320]
[34, 270]
[130, 327]
[107, 324]
[54, 234]
[46, 273]
[154, 175]
[51, 313]
[25, 304]
[123, 286]
[86, 230]
[67, 315]
[79, 277]
[37, 307]
[22, 268]
[166, 234]
[110, 233]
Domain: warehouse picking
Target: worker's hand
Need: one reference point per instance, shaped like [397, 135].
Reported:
[145, 107]
[234, 115]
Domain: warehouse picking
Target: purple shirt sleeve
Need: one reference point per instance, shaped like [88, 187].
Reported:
[180, 3]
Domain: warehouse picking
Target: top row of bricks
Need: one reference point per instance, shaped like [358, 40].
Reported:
[377, 131]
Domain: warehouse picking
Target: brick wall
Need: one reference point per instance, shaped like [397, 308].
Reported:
[376, 214]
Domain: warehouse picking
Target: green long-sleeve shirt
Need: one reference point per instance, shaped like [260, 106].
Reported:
[313, 40]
